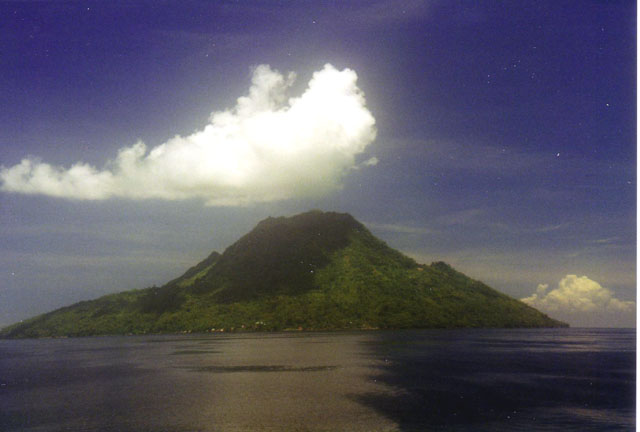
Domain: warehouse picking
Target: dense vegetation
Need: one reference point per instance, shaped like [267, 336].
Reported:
[314, 271]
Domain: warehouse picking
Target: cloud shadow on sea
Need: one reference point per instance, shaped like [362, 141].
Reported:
[465, 381]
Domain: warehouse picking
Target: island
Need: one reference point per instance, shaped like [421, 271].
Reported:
[316, 271]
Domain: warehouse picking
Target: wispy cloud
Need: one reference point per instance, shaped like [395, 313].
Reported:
[389, 12]
[140, 259]
[398, 228]
[607, 241]
[486, 219]
[509, 161]
[460, 217]
[373, 161]
[355, 14]
[266, 148]
[550, 228]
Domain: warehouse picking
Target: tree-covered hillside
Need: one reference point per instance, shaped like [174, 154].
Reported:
[313, 271]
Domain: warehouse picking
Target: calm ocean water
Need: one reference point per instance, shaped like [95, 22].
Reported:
[431, 380]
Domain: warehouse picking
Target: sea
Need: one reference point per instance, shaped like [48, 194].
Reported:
[413, 380]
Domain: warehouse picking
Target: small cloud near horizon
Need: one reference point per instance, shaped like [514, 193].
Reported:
[582, 301]
[268, 147]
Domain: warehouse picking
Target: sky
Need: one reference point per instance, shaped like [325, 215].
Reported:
[500, 137]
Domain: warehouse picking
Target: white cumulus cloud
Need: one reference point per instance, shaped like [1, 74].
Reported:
[580, 297]
[268, 147]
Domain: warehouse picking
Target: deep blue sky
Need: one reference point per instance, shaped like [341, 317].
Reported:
[506, 134]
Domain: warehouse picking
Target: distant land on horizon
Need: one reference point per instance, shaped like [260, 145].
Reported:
[313, 271]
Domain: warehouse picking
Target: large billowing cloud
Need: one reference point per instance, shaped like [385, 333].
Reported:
[268, 147]
[583, 299]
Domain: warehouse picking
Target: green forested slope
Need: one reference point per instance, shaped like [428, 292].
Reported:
[315, 271]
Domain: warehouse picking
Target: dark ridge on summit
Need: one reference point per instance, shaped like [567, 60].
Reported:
[280, 255]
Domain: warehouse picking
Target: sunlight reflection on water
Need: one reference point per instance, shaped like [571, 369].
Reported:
[453, 380]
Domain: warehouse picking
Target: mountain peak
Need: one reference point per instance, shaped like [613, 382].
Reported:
[312, 218]
[316, 270]
[280, 255]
